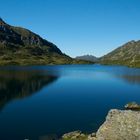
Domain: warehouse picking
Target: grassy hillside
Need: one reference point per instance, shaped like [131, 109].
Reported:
[128, 54]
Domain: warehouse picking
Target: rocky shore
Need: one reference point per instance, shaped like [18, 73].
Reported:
[119, 125]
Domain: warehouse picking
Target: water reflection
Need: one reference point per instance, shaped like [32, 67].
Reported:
[19, 84]
[79, 100]
[131, 79]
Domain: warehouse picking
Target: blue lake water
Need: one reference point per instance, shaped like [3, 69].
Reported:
[39, 102]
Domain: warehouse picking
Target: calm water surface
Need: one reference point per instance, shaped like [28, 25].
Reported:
[40, 102]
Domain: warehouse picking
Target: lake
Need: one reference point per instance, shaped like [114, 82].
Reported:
[39, 102]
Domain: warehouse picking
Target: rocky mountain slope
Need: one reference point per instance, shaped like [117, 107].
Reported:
[19, 46]
[88, 58]
[128, 54]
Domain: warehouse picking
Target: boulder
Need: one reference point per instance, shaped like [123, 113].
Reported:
[132, 106]
[75, 135]
[120, 125]
[92, 136]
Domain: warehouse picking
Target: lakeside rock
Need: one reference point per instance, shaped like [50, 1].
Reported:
[132, 106]
[119, 125]
[92, 136]
[74, 136]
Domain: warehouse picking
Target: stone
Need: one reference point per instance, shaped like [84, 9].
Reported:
[120, 125]
[92, 136]
[72, 135]
[132, 106]
[75, 135]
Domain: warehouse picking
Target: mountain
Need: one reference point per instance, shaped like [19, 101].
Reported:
[87, 58]
[19, 46]
[128, 54]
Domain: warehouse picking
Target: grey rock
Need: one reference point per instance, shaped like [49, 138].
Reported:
[120, 125]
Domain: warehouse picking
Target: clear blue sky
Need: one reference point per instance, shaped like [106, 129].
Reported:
[77, 27]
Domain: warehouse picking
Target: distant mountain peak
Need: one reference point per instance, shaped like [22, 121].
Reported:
[88, 57]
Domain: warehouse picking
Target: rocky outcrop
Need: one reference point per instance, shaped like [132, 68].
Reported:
[132, 106]
[119, 125]
[74, 136]
[78, 135]
[20, 37]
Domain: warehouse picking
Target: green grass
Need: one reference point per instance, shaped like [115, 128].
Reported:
[24, 57]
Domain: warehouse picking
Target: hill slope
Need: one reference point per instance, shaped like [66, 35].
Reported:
[19, 46]
[128, 54]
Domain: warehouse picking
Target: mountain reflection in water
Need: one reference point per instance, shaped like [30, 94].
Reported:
[79, 99]
[19, 84]
[132, 79]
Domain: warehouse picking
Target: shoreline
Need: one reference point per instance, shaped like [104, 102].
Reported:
[119, 125]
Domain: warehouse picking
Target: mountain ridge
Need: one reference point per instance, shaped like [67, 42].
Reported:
[127, 54]
[20, 46]
[87, 57]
